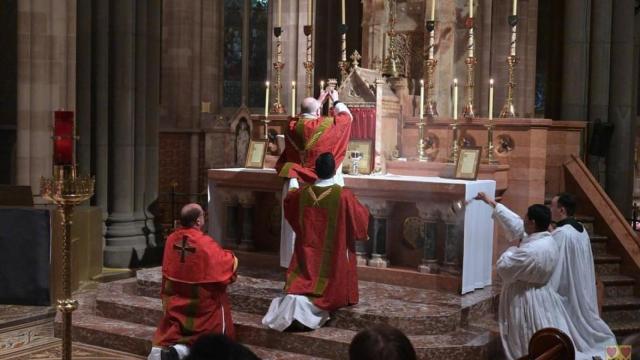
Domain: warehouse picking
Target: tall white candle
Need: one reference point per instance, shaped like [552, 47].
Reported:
[491, 99]
[470, 8]
[321, 85]
[266, 99]
[309, 11]
[515, 7]
[293, 98]
[279, 13]
[421, 99]
[433, 10]
[455, 99]
[344, 13]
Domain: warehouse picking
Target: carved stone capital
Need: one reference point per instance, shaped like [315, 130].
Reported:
[227, 196]
[378, 208]
[429, 211]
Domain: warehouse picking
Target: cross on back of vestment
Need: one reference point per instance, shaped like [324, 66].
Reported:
[184, 249]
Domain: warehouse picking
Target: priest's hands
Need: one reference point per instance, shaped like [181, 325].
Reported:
[323, 96]
[334, 95]
[486, 198]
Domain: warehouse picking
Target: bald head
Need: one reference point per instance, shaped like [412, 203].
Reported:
[309, 106]
[192, 215]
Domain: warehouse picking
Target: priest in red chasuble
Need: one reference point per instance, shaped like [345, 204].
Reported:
[306, 137]
[195, 275]
[327, 219]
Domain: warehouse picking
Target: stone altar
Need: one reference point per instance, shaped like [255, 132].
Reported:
[242, 201]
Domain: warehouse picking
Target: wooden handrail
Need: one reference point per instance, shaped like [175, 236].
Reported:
[606, 210]
[552, 353]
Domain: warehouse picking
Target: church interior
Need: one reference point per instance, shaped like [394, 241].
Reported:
[117, 113]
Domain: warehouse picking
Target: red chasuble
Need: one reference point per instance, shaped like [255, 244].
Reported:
[327, 221]
[195, 274]
[306, 139]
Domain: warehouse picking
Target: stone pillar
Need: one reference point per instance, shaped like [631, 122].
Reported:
[429, 215]
[622, 107]
[452, 262]
[194, 165]
[575, 69]
[154, 11]
[228, 213]
[46, 82]
[247, 201]
[124, 232]
[379, 210]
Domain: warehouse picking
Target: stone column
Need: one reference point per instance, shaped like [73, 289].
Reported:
[154, 11]
[452, 262]
[46, 82]
[622, 107]
[226, 219]
[575, 69]
[246, 201]
[124, 232]
[379, 210]
[429, 215]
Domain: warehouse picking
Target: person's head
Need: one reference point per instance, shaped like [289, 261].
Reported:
[192, 215]
[538, 219]
[219, 347]
[325, 166]
[563, 205]
[381, 342]
[310, 106]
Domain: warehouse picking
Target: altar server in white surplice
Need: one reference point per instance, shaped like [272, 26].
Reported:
[527, 302]
[574, 278]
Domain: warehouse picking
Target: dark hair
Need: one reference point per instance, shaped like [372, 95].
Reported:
[568, 202]
[541, 215]
[381, 342]
[189, 215]
[325, 166]
[219, 347]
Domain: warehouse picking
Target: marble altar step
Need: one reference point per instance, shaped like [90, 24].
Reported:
[607, 264]
[625, 308]
[116, 316]
[414, 311]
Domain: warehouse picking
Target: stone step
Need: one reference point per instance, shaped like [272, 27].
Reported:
[607, 264]
[126, 322]
[617, 285]
[622, 328]
[625, 308]
[271, 354]
[585, 219]
[414, 311]
[599, 248]
[598, 238]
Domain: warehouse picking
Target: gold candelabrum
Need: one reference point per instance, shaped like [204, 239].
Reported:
[278, 65]
[308, 64]
[467, 111]
[343, 64]
[508, 110]
[66, 190]
[430, 65]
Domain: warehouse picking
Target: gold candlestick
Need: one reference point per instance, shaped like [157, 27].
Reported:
[308, 64]
[430, 64]
[468, 112]
[422, 156]
[278, 65]
[343, 64]
[66, 190]
[490, 147]
[390, 66]
[455, 148]
[508, 110]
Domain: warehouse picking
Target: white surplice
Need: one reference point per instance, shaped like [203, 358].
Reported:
[527, 302]
[574, 279]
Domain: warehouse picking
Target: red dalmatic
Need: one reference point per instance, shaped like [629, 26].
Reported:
[327, 221]
[306, 139]
[195, 275]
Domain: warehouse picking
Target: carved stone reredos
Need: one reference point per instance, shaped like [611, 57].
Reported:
[359, 87]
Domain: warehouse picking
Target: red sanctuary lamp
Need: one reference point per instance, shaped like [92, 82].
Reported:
[66, 190]
[63, 138]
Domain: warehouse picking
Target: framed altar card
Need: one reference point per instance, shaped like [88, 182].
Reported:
[468, 163]
[364, 148]
[255, 154]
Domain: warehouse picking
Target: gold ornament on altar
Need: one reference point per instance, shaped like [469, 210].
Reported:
[66, 190]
